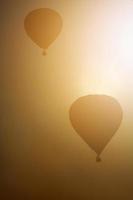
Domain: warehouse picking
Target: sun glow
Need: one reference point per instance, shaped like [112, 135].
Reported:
[112, 46]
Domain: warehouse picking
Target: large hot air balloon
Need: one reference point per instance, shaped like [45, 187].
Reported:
[43, 26]
[96, 119]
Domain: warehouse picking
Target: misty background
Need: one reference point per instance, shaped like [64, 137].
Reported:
[42, 157]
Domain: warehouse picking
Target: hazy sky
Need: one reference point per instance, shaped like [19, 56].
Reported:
[42, 155]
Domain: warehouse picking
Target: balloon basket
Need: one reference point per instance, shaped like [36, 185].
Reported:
[44, 53]
[98, 159]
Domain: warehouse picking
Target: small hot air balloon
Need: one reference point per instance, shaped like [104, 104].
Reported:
[43, 26]
[96, 118]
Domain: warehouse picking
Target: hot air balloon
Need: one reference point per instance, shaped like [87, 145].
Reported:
[43, 26]
[96, 118]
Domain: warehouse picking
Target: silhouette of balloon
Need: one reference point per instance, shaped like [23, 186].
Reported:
[96, 118]
[43, 26]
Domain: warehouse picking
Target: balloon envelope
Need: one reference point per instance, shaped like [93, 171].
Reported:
[43, 26]
[96, 118]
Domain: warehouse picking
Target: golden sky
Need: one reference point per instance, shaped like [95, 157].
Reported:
[42, 155]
